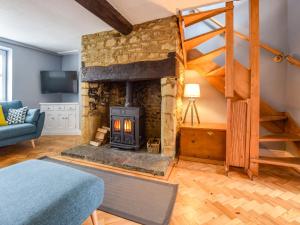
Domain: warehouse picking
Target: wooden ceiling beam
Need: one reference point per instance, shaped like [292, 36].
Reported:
[107, 13]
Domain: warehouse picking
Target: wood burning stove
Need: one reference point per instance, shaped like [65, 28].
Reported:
[126, 124]
[126, 127]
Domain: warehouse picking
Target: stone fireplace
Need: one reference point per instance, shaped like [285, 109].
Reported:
[150, 60]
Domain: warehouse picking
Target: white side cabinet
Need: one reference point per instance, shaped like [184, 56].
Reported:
[61, 118]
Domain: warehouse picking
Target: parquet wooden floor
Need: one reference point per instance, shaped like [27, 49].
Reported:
[205, 195]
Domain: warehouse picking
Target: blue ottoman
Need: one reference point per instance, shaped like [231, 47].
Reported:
[36, 192]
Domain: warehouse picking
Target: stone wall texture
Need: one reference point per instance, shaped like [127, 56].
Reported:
[148, 41]
[161, 99]
[147, 94]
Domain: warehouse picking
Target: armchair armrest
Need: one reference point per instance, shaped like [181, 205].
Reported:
[32, 116]
[40, 124]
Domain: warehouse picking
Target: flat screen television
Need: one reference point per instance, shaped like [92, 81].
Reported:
[59, 82]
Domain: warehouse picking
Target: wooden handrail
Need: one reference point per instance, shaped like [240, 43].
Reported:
[293, 60]
[279, 56]
[182, 39]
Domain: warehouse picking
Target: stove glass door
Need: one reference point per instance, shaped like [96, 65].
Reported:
[128, 128]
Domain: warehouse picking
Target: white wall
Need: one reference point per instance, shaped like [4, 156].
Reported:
[293, 72]
[273, 31]
[273, 20]
[211, 105]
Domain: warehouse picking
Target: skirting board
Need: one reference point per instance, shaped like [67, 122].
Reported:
[208, 161]
[73, 132]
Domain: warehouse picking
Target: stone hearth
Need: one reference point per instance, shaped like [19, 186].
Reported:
[138, 161]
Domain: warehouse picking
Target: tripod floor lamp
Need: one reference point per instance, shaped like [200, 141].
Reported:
[192, 91]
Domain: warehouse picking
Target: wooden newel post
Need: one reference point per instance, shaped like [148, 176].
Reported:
[255, 84]
[229, 55]
[229, 77]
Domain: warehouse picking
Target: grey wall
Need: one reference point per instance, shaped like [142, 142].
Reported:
[71, 62]
[26, 66]
[27, 63]
[293, 72]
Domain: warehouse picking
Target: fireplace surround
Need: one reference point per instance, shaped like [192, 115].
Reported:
[149, 61]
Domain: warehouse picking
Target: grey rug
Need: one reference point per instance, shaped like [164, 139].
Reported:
[141, 161]
[140, 200]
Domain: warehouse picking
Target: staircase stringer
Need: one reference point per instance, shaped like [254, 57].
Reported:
[181, 30]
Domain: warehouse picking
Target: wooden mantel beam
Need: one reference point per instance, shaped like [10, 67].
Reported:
[107, 13]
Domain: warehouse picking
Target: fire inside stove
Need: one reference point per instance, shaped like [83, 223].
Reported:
[127, 126]
[117, 125]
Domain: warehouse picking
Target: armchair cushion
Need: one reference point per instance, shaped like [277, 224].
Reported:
[16, 130]
[32, 116]
[17, 116]
[2, 118]
[10, 105]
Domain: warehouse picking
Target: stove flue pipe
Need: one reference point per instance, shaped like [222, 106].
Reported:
[128, 102]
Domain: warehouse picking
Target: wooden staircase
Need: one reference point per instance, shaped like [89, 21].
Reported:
[236, 82]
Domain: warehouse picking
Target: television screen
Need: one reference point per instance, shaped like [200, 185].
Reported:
[59, 82]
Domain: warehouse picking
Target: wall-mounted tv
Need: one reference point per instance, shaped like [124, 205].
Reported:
[59, 82]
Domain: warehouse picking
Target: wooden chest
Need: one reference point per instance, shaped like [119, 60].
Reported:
[204, 141]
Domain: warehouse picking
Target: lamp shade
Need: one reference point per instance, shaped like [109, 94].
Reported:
[192, 90]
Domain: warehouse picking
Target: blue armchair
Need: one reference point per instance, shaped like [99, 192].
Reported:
[30, 130]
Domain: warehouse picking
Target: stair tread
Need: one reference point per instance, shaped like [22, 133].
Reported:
[293, 162]
[200, 16]
[217, 72]
[272, 153]
[279, 138]
[208, 56]
[195, 41]
[273, 118]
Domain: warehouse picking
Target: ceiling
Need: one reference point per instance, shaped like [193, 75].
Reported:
[57, 25]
